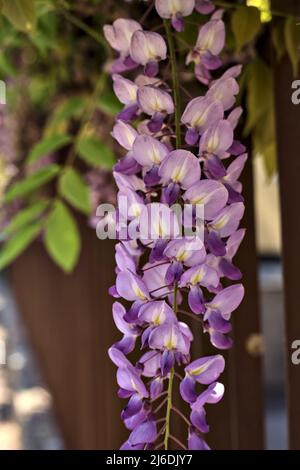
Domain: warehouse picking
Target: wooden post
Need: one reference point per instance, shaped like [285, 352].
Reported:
[288, 132]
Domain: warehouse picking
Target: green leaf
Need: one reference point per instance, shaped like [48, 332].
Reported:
[16, 245]
[31, 183]
[259, 92]
[73, 188]
[109, 104]
[278, 39]
[25, 216]
[95, 152]
[48, 145]
[6, 66]
[62, 239]
[70, 108]
[292, 40]
[21, 13]
[245, 23]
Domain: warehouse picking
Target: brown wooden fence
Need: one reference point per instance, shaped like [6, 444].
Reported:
[70, 323]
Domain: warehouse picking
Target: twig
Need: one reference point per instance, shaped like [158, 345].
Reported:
[178, 412]
[173, 438]
[160, 406]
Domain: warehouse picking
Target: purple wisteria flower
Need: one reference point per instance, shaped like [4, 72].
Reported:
[175, 10]
[166, 260]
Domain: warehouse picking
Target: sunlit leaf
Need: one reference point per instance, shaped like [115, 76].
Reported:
[109, 104]
[278, 39]
[74, 189]
[245, 23]
[18, 243]
[21, 13]
[292, 39]
[259, 92]
[26, 216]
[47, 146]
[32, 182]
[95, 152]
[62, 238]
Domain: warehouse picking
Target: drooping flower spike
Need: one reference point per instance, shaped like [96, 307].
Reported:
[179, 211]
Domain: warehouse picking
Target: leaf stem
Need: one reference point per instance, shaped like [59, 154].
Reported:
[170, 385]
[175, 80]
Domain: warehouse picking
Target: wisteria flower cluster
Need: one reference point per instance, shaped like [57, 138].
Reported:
[188, 158]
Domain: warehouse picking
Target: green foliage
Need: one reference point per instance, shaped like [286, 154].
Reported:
[292, 39]
[109, 104]
[48, 146]
[62, 239]
[18, 243]
[95, 152]
[21, 13]
[74, 189]
[67, 109]
[32, 182]
[278, 39]
[26, 216]
[261, 113]
[245, 23]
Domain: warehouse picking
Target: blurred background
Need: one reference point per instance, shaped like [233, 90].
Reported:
[55, 324]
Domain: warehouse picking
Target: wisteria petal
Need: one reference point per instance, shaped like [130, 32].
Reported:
[229, 270]
[131, 287]
[124, 134]
[150, 363]
[195, 442]
[153, 100]
[215, 245]
[123, 259]
[154, 279]
[206, 369]
[227, 222]
[156, 312]
[125, 90]
[188, 389]
[213, 394]
[201, 113]
[203, 274]
[235, 169]
[129, 380]
[169, 8]
[156, 387]
[198, 419]
[188, 251]
[219, 340]
[212, 37]
[144, 433]
[158, 221]
[217, 138]
[180, 166]
[118, 358]
[120, 33]
[147, 46]
[149, 151]
[224, 90]
[234, 242]
[204, 6]
[196, 300]
[211, 194]
[118, 315]
[228, 300]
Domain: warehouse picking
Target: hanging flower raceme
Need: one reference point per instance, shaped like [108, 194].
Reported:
[178, 217]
